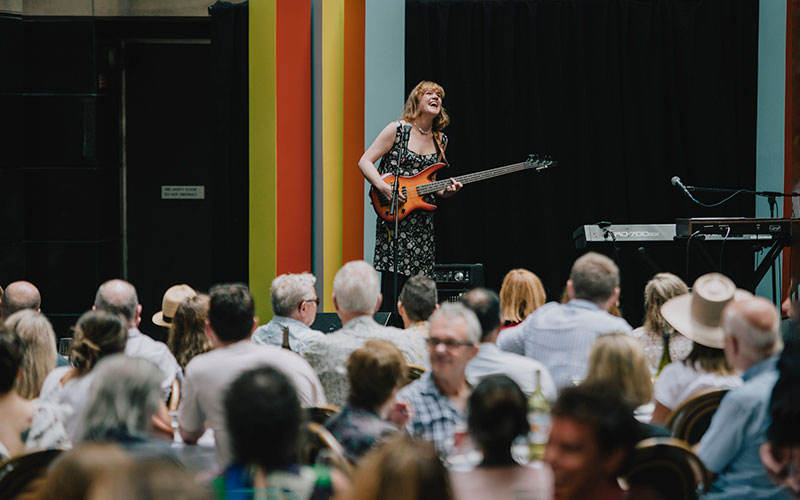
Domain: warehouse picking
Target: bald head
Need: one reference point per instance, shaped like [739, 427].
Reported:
[755, 325]
[119, 297]
[18, 296]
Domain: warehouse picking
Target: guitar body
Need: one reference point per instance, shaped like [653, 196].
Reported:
[407, 186]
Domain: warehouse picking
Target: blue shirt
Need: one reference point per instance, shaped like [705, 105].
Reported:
[299, 334]
[434, 415]
[730, 445]
[561, 336]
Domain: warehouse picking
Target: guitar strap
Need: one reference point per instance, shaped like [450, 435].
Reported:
[437, 141]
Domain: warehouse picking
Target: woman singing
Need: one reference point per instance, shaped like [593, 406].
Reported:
[422, 144]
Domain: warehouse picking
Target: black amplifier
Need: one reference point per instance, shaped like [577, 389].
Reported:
[453, 280]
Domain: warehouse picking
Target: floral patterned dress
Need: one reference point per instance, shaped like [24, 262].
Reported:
[416, 249]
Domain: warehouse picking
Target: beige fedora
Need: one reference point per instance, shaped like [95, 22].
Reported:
[169, 304]
[698, 315]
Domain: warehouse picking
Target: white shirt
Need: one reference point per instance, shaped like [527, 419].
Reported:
[74, 395]
[328, 354]
[677, 382]
[492, 361]
[209, 375]
[140, 345]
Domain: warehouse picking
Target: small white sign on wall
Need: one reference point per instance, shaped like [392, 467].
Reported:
[183, 192]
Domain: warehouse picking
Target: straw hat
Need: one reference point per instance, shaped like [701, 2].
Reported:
[698, 315]
[169, 304]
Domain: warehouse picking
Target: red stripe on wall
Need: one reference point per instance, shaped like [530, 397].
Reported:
[353, 127]
[293, 75]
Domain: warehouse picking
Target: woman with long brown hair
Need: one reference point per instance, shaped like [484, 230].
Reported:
[187, 331]
[418, 137]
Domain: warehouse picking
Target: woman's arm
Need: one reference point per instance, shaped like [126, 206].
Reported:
[379, 147]
[660, 414]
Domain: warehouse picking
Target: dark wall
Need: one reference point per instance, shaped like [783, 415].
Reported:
[59, 166]
[624, 94]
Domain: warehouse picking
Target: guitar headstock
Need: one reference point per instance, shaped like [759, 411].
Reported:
[540, 162]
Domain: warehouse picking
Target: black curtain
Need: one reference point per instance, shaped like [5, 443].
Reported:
[624, 94]
[230, 186]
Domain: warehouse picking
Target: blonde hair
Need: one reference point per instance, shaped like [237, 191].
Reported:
[411, 110]
[402, 469]
[520, 294]
[618, 361]
[39, 351]
[661, 288]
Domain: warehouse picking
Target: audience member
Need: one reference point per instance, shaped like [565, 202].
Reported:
[697, 316]
[417, 301]
[661, 288]
[151, 480]
[265, 424]
[120, 297]
[173, 297]
[25, 425]
[230, 324]
[402, 469]
[491, 360]
[356, 297]
[729, 448]
[497, 411]
[124, 400]
[73, 474]
[618, 363]
[375, 372]
[592, 437]
[561, 335]
[187, 331]
[520, 294]
[39, 350]
[438, 398]
[97, 334]
[19, 295]
[780, 454]
[294, 303]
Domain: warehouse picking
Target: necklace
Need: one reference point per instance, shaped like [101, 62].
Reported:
[423, 132]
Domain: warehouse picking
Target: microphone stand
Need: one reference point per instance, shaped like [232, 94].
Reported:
[394, 211]
[773, 205]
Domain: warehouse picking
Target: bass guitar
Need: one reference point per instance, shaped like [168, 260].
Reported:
[415, 187]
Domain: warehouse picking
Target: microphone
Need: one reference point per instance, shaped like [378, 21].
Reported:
[676, 181]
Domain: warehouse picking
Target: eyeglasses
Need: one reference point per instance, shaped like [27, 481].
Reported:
[448, 343]
[316, 301]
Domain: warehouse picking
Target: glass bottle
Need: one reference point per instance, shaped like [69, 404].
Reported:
[665, 357]
[539, 420]
[285, 343]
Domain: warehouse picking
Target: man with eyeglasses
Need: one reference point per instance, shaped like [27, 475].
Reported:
[294, 302]
[438, 399]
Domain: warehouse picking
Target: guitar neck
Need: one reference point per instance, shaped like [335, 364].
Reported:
[432, 187]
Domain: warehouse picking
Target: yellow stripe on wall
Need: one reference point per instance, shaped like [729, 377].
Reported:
[263, 153]
[332, 140]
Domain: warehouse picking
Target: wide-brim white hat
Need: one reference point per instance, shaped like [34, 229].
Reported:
[698, 315]
[169, 304]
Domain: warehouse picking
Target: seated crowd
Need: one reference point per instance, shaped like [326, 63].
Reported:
[446, 408]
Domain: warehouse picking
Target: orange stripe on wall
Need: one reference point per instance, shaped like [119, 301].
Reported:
[353, 132]
[293, 89]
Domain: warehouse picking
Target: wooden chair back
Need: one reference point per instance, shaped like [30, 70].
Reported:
[320, 442]
[690, 420]
[17, 473]
[414, 372]
[174, 396]
[666, 468]
[321, 414]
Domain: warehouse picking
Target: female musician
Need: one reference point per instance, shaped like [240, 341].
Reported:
[422, 144]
